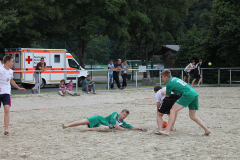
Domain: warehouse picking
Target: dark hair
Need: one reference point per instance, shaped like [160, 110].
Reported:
[63, 80]
[1, 58]
[200, 60]
[193, 61]
[42, 58]
[126, 111]
[88, 75]
[7, 58]
[111, 60]
[157, 88]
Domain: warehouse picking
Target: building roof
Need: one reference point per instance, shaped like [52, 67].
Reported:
[173, 47]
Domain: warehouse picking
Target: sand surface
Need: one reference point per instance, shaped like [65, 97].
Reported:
[36, 132]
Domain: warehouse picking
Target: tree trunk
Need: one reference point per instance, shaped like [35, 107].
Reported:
[82, 45]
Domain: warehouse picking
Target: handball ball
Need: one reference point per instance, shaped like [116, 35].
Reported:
[164, 124]
[209, 63]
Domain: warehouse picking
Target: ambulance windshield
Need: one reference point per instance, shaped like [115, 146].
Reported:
[73, 64]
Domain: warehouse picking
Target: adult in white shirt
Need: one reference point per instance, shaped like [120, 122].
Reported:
[164, 105]
[6, 77]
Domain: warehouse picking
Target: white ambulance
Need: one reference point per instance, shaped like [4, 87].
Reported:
[57, 60]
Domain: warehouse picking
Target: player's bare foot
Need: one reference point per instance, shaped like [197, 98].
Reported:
[63, 126]
[198, 85]
[157, 132]
[207, 133]
[164, 133]
[6, 132]
[173, 129]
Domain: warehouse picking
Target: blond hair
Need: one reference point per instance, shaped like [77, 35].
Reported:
[166, 72]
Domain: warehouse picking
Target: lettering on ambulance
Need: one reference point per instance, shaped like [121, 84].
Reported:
[37, 59]
[181, 82]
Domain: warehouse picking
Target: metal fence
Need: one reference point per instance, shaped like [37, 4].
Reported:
[136, 72]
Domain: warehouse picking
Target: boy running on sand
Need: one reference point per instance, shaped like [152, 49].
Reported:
[189, 97]
[98, 122]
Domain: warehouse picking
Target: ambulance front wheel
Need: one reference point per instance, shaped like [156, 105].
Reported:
[43, 83]
[80, 81]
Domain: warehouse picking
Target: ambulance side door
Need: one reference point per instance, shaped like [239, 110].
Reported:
[58, 65]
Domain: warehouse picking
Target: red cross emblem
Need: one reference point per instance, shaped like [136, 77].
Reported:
[29, 59]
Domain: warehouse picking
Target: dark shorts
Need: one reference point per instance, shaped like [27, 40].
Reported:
[196, 75]
[187, 74]
[5, 99]
[167, 104]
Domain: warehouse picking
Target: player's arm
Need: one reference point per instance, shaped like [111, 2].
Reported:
[121, 128]
[198, 70]
[137, 128]
[16, 86]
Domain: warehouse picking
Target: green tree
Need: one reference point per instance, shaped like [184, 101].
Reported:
[153, 24]
[8, 19]
[83, 20]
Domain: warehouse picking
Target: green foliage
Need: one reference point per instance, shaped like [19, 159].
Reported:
[218, 42]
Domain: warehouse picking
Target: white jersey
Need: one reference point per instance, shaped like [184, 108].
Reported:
[5, 77]
[159, 97]
[189, 67]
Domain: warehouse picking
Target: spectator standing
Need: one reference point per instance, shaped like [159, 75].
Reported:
[110, 73]
[41, 66]
[88, 84]
[117, 66]
[124, 73]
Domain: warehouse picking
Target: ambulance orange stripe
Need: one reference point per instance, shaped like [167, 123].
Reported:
[69, 56]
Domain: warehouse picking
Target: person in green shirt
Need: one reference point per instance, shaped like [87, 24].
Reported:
[88, 84]
[189, 97]
[98, 122]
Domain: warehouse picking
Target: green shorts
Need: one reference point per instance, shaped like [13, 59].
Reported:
[94, 121]
[190, 101]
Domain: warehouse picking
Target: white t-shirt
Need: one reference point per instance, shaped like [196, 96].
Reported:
[159, 97]
[5, 77]
[1, 64]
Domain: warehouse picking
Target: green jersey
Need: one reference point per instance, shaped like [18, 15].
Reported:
[179, 87]
[112, 120]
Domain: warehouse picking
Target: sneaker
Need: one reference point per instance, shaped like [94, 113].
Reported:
[88, 93]
[94, 92]
[63, 95]
[77, 94]
[73, 94]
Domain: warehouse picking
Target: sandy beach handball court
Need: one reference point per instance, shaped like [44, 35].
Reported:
[36, 131]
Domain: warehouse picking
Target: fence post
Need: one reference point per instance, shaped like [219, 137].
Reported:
[136, 78]
[218, 76]
[160, 78]
[230, 76]
[182, 74]
[39, 81]
[202, 76]
[76, 81]
[108, 80]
